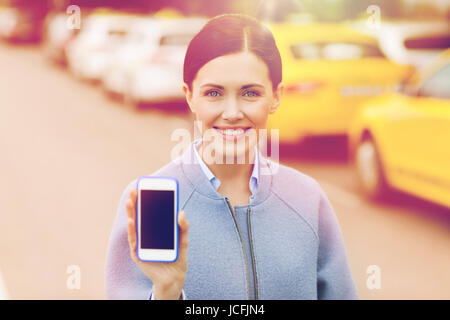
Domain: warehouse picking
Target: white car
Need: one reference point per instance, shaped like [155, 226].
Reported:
[159, 77]
[21, 23]
[413, 43]
[56, 37]
[100, 35]
[140, 43]
[8, 21]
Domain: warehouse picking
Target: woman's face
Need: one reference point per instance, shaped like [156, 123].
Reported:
[231, 97]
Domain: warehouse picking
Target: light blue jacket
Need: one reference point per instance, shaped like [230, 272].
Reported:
[286, 244]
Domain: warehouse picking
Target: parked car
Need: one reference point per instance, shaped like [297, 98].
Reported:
[140, 43]
[101, 34]
[22, 23]
[401, 140]
[159, 76]
[328, 71]
[414, 43]
[7, 20]
[57, 35]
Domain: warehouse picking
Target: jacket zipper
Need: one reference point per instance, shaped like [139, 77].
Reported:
[242, 244]
[255, 282]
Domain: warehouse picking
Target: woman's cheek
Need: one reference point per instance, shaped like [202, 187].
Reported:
[207, 120]
[258, 112]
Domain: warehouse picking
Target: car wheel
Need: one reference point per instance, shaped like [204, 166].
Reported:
[370, 170]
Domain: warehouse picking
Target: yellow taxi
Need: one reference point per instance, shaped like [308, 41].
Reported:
[328, 70]
[402, 140]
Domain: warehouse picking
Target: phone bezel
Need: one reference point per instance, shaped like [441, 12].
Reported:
[157, 183]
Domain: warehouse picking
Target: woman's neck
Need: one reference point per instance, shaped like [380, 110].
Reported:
[231, 173]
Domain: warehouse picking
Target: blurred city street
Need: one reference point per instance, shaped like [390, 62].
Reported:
[68, 151]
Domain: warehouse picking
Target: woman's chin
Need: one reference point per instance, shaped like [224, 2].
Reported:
[229, 151]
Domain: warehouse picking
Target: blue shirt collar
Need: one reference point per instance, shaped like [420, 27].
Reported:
[253, 183]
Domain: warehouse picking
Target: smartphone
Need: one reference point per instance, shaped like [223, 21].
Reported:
[157, 219]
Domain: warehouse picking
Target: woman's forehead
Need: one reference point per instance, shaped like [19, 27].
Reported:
[235, 69]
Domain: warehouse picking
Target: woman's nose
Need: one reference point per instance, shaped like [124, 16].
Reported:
[232, 111]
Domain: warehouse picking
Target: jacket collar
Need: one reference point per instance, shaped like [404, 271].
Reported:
[254, 178]
[192, 170]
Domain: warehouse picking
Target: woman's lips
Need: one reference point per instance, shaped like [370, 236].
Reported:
[232, 134]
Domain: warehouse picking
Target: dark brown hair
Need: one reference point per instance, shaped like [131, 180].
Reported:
[232, 33]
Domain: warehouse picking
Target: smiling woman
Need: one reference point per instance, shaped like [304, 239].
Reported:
[233, 96]
[257, 230]
[232, 81]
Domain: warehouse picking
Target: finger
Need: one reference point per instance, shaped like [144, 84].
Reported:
[133, 195]
[131, 229]
[129, 205]
[132, 238]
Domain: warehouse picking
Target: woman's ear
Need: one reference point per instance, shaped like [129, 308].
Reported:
[188, 94]
[277, 94]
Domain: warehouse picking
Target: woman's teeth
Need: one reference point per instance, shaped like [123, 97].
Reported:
[232, 132]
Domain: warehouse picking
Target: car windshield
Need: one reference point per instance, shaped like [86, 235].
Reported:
[117, 34]
[176, 39]
[335, 51]
[139, 35]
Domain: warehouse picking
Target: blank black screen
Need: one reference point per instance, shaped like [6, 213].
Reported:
[157, 219]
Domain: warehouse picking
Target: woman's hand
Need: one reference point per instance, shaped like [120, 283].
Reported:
[167, 277]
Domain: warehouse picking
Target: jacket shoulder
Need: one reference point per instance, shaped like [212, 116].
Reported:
[292, 184]
[298, 191]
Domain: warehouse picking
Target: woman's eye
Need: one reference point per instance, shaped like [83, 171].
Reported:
[251, 94]
[212, 93]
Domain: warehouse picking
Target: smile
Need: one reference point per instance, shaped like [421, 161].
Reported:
[232, 134]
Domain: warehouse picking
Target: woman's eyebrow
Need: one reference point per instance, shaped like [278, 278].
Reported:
[242, 88]
[212, 85]
[252, 85]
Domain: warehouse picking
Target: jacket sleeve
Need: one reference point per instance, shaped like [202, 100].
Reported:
[182, 296]
[123, 277]
[334, 279]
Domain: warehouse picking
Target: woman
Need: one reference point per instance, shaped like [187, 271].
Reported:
[256, 230]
